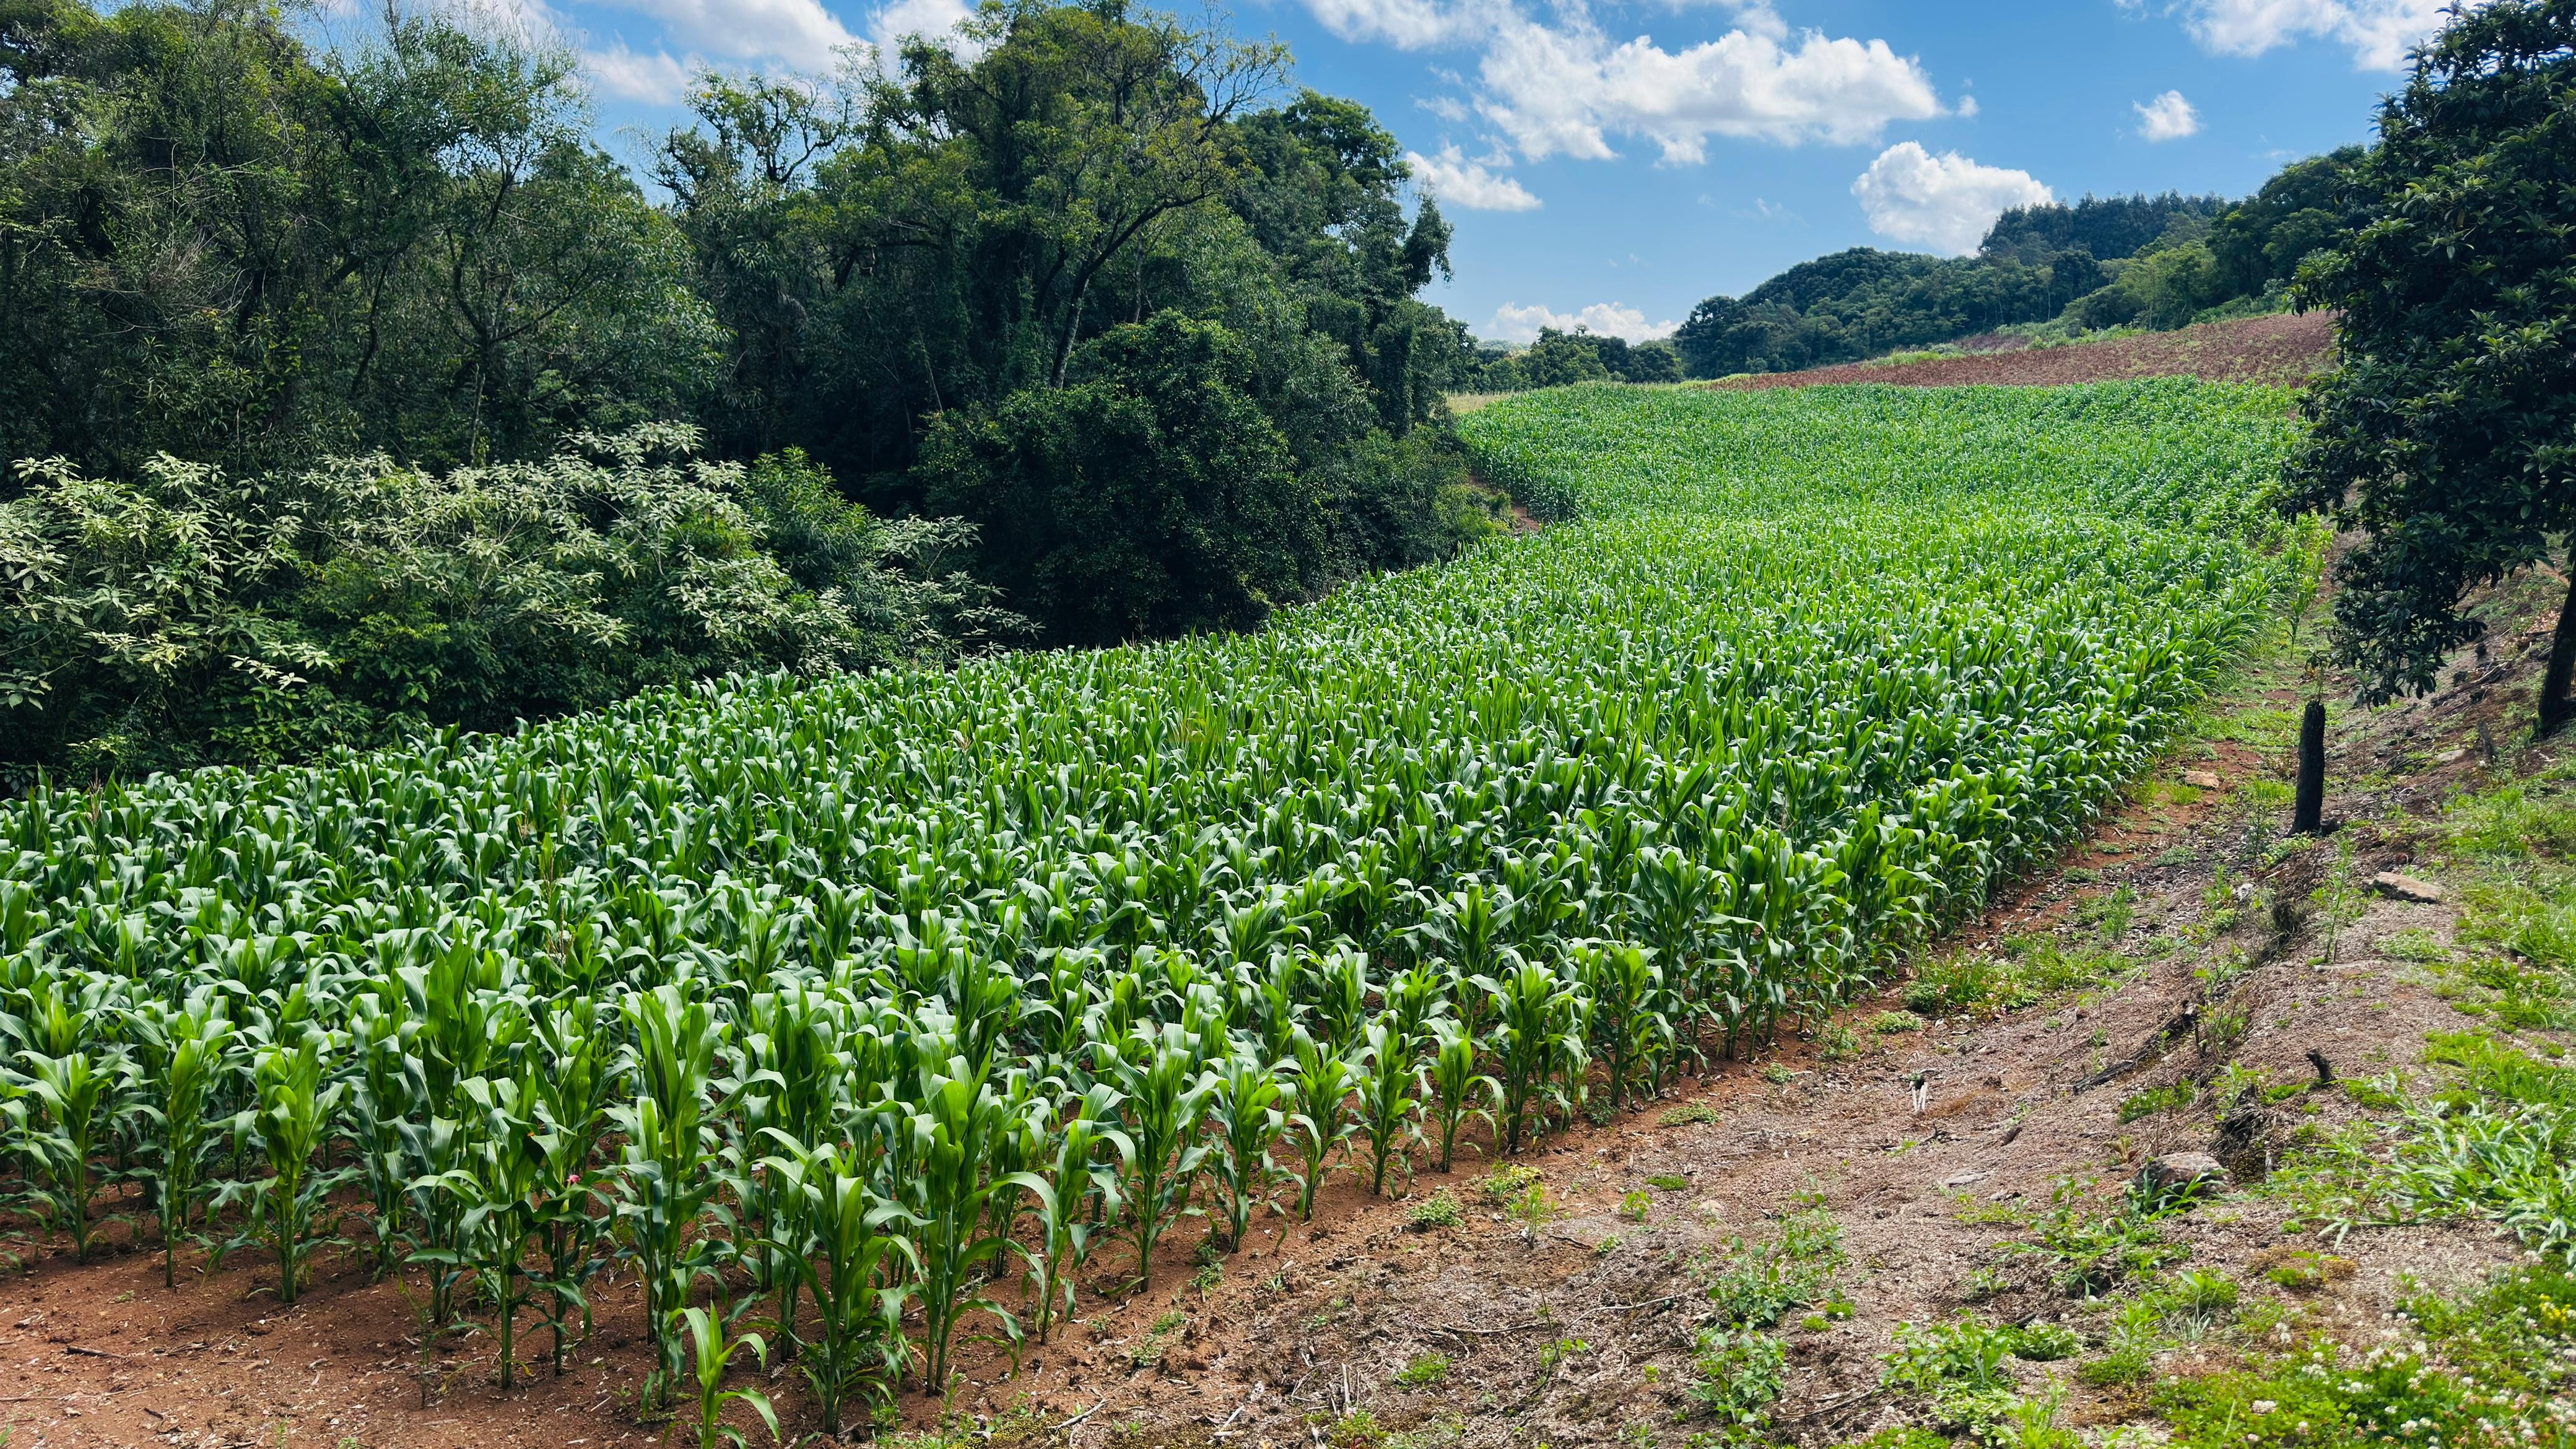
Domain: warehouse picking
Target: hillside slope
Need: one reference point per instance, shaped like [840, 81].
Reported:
[2281, 351]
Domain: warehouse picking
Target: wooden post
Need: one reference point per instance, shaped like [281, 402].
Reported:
[2308, 814]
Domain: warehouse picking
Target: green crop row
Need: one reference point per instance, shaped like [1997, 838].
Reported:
[883, 1002]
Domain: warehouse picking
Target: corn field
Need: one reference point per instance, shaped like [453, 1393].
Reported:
[882, 1011]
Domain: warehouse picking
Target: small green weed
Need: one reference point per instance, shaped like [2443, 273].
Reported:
[1893, 1023]
[1735, 1377]
[2157, 1099]
[1424, 1371]
[1688, 1114]
[1440, 1210]
[1508, 1182]
[1667, 1182]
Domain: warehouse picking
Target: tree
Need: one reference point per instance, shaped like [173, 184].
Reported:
[1148, 496]
[2448, 433]
[219, 242]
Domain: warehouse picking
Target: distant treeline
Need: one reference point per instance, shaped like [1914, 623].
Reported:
[2154, 261]
[373, 394]
[1559, 357]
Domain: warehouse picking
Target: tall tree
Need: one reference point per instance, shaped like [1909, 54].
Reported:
[219, 242]
[2448, 433]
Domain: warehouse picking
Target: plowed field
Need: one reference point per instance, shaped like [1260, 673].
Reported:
[2281, 350]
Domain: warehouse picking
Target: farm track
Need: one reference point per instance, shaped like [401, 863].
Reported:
[2278, 351]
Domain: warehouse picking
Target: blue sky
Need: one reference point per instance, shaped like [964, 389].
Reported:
[1615, 161]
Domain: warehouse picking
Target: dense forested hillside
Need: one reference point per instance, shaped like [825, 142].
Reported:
[339, 356]
[2155, 261]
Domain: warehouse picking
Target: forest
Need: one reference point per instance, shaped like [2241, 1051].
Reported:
[2146, 261]
[357, 389]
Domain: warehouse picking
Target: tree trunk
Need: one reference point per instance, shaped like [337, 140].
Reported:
[2308, 813]
[2554, 704]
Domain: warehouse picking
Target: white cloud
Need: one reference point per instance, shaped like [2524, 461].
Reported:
[2167, 118]
[799, 32]
[656, 79]
[1514, 323]
[1945, 201]
[933, 18]
[1567, 87]
[1404, 24]
[2378, 31]
[1461, 182]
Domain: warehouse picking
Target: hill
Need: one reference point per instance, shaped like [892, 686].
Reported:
[2282, 350]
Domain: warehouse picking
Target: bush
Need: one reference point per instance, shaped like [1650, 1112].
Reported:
[184, 617]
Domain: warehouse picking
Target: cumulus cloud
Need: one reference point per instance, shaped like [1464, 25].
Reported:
[933, 18]
[1513, 323]
[655, 79]
[799, 32]
[1564, 86]
[2379, 32]
[1461, 182]
[1404, 24]
[1947, 201]
[2167, 118]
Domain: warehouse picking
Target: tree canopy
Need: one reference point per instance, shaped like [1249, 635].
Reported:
[1130, 322]
[2448, 433]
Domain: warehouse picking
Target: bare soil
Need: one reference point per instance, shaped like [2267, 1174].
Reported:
[2283, 350]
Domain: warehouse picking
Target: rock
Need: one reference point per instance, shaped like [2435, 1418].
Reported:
[2202, 780]
[2406, 888]
[2178, 1169]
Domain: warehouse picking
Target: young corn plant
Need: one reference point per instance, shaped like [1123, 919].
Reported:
[1626, 990]
[183, 1049]
[73, 1095]
[1163, 1095]
[571, 1101]
[1451, 1086]
[1387, 1062]
[1083, 1165]
[1533, 1040]
[1246, 1119]
[1320, 1121]
[711, 1353]
[290, 1211]
[951, 1193]
[665, 1184]
[853, 1270]
[507, 1193]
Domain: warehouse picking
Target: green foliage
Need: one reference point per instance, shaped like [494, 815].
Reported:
[2093, 1252]
[243, 248]
[1756, 1284]
[1558, 359]
[186, 617]
[826, 1004]
[1424, 1371]
[1440, 1210]
[1862, 302]
[1736, 1374]
[2442, 434]
[1958, 1367]
[2171, 1097]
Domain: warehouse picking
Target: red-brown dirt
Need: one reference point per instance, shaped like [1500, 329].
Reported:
[2283, 350]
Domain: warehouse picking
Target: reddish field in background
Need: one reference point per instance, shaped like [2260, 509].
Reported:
[2282, 350]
